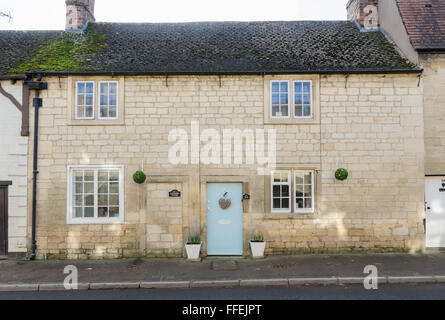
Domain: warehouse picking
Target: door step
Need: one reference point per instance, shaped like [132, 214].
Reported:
[224, 265]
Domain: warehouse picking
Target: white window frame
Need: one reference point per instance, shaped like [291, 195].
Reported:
[303, 210]
[76, 99]
[117, 101]
[288, 183]
[293, 100]
[288, 99]
[94, 220]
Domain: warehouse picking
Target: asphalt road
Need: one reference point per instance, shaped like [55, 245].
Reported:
[351, 292]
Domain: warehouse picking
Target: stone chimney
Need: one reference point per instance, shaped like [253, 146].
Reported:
[78, 14]
[364, 13]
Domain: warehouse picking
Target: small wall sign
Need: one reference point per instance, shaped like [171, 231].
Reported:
[174, 194]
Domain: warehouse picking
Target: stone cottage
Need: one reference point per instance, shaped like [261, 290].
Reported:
[239, 128]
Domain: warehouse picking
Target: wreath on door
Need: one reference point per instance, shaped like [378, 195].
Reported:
[224, 203]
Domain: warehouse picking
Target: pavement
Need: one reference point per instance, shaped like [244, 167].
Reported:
[295, 270]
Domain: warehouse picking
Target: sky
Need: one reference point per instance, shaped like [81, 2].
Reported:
[50, 14]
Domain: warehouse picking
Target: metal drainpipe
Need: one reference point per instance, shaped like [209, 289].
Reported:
[37, 103]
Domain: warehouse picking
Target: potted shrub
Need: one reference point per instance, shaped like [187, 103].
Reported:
[193, 247]
[257, 245]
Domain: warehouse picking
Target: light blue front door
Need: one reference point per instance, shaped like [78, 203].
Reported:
[224, 218]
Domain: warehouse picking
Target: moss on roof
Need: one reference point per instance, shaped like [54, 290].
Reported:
[73, 52]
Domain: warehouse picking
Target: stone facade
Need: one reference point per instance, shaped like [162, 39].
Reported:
[13, 166]
[370, 124]
[433, 79]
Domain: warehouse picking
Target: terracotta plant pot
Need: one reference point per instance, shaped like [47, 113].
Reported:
[257, 249]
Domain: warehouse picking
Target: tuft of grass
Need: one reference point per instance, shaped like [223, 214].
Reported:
[194, 239]
[257, 238]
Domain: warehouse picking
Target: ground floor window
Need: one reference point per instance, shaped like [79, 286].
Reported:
[95, 194]
[292, 191]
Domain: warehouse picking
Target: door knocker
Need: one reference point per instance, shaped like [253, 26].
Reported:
[224, 203]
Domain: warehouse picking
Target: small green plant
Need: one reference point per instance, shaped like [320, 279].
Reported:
[341, 174]
[257, 238]
[139, 177]
[194, 239]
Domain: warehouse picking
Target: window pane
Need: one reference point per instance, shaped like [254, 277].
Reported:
[89, 112]
[285, 191]
[104, 88]
[299, 178]
[308, 203]
[114, 187]
[276, 204]
[283, 99]
[78, 187]
[114, 200]
[89, 100]
[89, 212]
[307, 190]
[89, 200]
[299, 203]
[298, 111]
[285, 203]
[80, 112]
[89, 175]
[78, 200]
[114, 175]
[114, 212]
[102, 212]
[275, 86]
[112, 100]
[275, 110]
[275, 99]
[276, 191]
[298, 99]
[306, 98]
[283, 86]
[89, 187]
[103, 100]
[112, 112]
[306, 87]
[297, 87]
[78, 212]
[102, 200]
[103, 187]
[80, 100]
[308, 178]
[78, 175]
[284, 112]
[81, 87]
[103, 175]
[89, 87]
[103, 112]
[113, 88]
[307, 111]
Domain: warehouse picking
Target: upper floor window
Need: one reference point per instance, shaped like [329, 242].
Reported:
[280, 99]
[84, 100]
[303, 99]
[108, 100]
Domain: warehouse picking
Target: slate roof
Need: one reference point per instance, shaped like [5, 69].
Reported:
[425, 22]
[213, 48]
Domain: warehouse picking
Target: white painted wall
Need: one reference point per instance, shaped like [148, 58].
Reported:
[13, 166]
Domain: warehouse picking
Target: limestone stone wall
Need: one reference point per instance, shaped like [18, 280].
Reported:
[370, 124]
[434, 105]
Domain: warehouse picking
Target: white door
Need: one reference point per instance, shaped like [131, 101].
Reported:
[435, 211]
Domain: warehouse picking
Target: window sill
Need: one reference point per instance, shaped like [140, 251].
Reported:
[292, 121]
[81, 222]
[96, 123]
[303, 215]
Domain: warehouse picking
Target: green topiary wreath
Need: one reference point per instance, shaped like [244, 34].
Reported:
[341, 174]
[139, 177]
